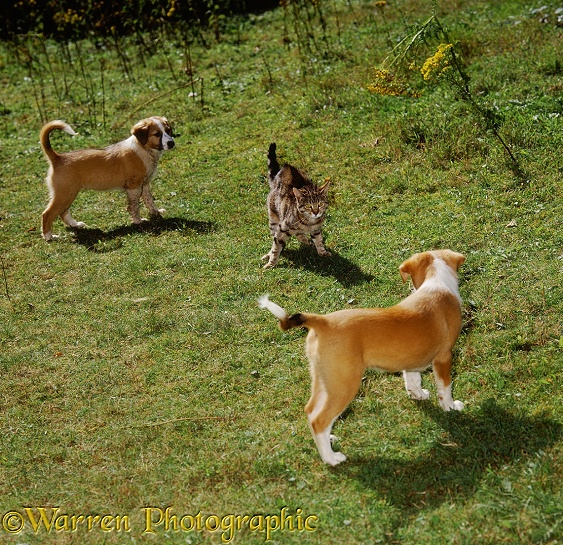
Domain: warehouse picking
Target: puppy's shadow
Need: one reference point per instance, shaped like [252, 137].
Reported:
[453, 467]
[347, 273]
[97, 240]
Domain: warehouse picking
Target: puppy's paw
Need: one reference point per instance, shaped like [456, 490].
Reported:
[335, 459]
[79, 225]
[333, 438]
[451, 405]
[73, 224]
[419, 395]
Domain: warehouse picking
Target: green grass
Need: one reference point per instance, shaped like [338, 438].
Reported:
[137, 370]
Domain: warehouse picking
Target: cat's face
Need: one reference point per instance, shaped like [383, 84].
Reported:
[312, 201]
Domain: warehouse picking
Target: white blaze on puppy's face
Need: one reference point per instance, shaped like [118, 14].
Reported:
[164, 133]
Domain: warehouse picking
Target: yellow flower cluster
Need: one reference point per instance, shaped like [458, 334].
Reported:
[387, 83]
[437, 64]
[69, 17]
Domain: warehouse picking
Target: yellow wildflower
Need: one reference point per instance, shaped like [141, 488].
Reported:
[69, 17]
[387, 83]
[437, 64]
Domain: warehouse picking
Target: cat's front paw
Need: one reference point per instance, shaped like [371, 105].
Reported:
[324, 253]
[157, 213]
[271, 261]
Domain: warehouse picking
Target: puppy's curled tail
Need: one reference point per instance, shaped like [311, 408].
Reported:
[44, 137]
[286, 321]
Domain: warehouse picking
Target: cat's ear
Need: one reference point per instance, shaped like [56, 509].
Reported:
[324, 188]
[297, 193]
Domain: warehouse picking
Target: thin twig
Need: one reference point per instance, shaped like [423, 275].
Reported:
[131, 114]
[270, 78]
[187, 419]
[162, 422]
[102, 68]
[413, 39]
[5, 279]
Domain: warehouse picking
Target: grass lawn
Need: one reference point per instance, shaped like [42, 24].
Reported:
[145, 398]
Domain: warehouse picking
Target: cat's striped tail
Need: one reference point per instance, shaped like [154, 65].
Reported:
[273, 165]
[286, 321]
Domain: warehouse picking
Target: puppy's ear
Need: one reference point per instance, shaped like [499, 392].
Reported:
[415, 267]
[453, 259]
[406, 269]
[141, 132]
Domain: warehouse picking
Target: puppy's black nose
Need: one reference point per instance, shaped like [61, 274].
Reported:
[171, 144]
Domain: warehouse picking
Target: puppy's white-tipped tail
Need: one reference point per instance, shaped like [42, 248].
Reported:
[276, 310]
[46, 131]
[68, 129]
[286, 322]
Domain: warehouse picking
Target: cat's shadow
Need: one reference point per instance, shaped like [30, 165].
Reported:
[100, 241]
[347, 273]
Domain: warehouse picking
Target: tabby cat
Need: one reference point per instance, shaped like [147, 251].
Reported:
[296, 206]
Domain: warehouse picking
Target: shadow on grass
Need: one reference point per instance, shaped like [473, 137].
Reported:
[346, 272]
[97, 240]
[454, 467]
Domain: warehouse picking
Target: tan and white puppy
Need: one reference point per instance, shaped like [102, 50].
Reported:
[418, 332]
[129, 165]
